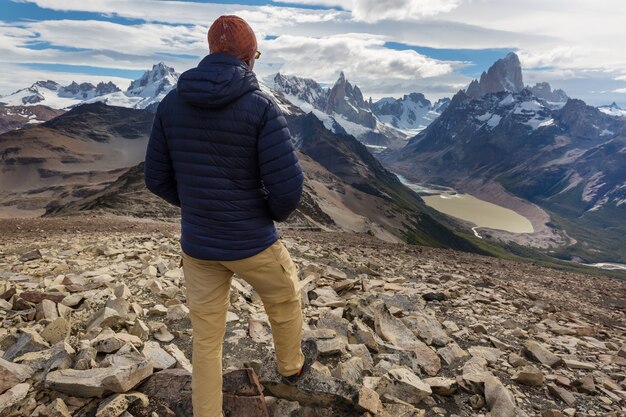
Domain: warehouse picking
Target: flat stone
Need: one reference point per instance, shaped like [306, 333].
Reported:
[122, 291]
[330, 347]
[319, 334]
[169, 386]
[350, 370]
[159, 358]
[28, 341]
[57, 408]
[362, 352]
[403, 383]
[427, 328]
[516, 360]
[108, 341]
[500, 401]
[140, 329]
[105, 317]
[12, 374]
[562, 394]
[177, 312]
[327, 297]
[243, 394]
[14, 396]
[452, 353]
[434, 296]
[574, 364]
[491, 355]
[540, 353]
[37, 297]
[179, 355]
[369, 400]
[57, 357]
[585, 385]
[100, 381]
[120, 305]
[47, 310]
[395, 332]
[441, 386]
[72, 300]
[162, 334]
[56, 331]
[31, 256]
[259, 331]
[313, 389]
[117, 405]
[529, 375]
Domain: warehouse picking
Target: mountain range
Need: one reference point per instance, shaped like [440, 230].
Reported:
[528, 148]
[502, 141]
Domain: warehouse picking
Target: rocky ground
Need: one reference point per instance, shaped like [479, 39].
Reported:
[93, 322]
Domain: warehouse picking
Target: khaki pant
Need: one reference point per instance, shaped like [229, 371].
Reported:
[272, 273]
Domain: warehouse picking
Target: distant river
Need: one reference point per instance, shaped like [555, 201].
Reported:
[469, 208]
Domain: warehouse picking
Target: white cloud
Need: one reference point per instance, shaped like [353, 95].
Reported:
[572, 37]
[362, 57]
[620, 91]
[376, 10]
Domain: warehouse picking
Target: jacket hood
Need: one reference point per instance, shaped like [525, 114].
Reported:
[217, 81]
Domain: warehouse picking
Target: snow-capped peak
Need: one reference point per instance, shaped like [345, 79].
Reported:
[613, 110]
[411, 113]
[52, 94]
[155, 82]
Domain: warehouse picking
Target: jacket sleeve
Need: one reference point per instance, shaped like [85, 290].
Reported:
[278, 164]
[158, 169]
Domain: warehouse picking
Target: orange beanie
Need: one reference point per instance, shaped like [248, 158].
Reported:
[233, 36]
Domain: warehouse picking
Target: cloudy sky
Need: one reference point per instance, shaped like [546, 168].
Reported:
[387, 47]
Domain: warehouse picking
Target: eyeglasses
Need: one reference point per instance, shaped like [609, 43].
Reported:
[257, 55]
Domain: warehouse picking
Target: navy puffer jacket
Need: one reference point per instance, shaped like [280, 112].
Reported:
[221, 150]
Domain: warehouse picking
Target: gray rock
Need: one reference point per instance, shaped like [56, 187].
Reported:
[31, 256]
[27, 341]
[100, 381]
[427, 328]
[540, 353]
[159, 358]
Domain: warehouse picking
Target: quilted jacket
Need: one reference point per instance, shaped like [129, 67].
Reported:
[221, 150]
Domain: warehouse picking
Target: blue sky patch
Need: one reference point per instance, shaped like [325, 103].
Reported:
[18, 12]
[88, 70]
[480, 59]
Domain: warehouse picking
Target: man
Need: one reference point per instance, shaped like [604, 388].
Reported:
[221, 150]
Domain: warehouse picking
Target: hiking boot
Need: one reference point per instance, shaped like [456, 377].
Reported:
[309, 350]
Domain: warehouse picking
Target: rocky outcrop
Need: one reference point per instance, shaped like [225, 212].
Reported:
[506, 339]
